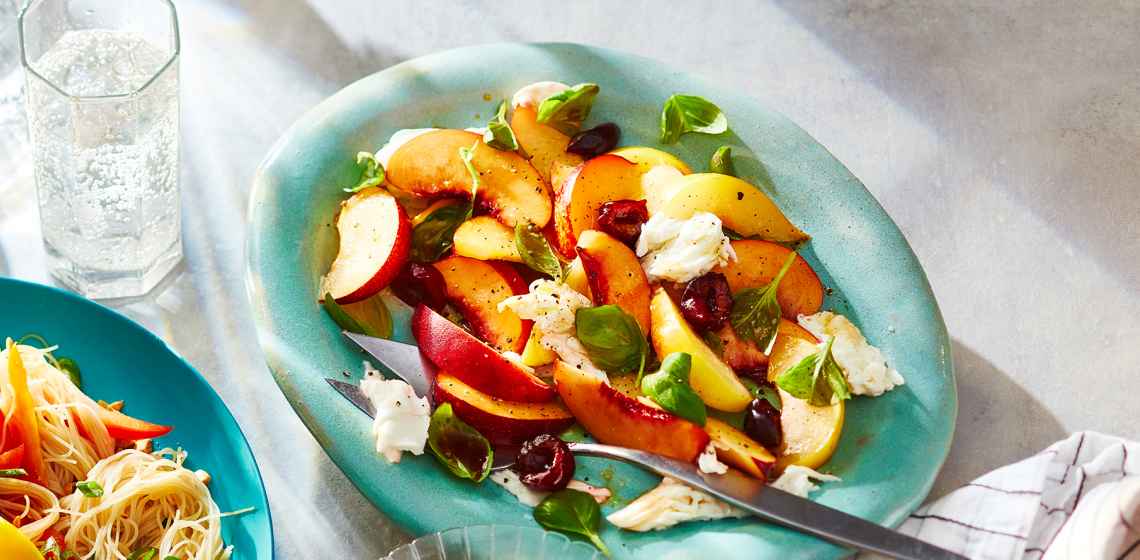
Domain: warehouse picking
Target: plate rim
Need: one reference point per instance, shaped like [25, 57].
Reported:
[260, 187]
[96, 307]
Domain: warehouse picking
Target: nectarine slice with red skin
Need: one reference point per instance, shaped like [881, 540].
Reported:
[544, 145]
[475, 288]
[459, 353]
[375, 238]
[615, 275]
[811, 433]
[501, 422]
[595, 182]
[429, 166]
[617, 419]
[735, 448]
[757, 263]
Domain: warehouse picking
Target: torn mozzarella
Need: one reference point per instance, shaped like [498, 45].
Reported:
[680, 250]
[708, 462]
[511, 482]
[670, 503]
[799, 480]
[533, 94]
[552, 307]
[864, 365]
[402, 418]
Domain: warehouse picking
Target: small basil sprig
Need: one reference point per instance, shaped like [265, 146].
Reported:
[721, 161]
[567, 110]
[669, 387]
[434, 236]
[380, 326]
[536, 252]
[499, 134]
[763, 391]
[572, 511]
[458, 446]
[755, 312]
[373, 174]
[71, 368]
[816, 378]
[612, 338]
[690, 113]
[90, 488]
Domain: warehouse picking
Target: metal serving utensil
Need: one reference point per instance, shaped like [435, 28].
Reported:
[740, 490]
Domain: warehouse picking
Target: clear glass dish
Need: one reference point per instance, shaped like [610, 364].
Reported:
[495, 542]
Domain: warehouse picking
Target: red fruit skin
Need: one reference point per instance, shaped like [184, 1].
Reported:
[401, 248]
[459, 353]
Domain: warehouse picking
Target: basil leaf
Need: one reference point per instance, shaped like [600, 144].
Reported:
[90, 488]
[434, 236]
[755, 314]
[572, 511]
[566, 110]
[612, 338]
[499, 134]
[536, 252]
[341, 317]
[763, 391]
[721, 161]
[371, 176]
[669, 387]
[71, 368]
[12, 473]
[816, 378]
[690, 113]
[369, 317]
[458, 446]
[143, 554]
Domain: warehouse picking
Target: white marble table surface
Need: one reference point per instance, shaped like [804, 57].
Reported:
[1004, 138]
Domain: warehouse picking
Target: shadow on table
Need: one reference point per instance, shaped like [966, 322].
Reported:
[999, 422]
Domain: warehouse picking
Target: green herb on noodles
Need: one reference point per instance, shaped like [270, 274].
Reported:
[90, 488]
[572, 511]
[567, 110]
[499, 134]
[143, 554]
[12, 473]
[816, 379]
[721, 162]
[536, 252]
[690, 113]
[612, 338]
[755, 312]
[371, 176]
[670, 388]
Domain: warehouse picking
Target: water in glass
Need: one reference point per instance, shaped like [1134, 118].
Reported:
[13, 134]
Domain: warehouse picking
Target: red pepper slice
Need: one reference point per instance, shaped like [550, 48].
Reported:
[12, 458]
[121, 426]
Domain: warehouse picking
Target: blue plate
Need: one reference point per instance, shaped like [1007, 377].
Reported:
[892, 446]
[121, 360]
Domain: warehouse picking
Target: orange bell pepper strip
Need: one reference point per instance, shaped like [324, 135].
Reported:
[12, 458]
[121, 426]
[23, 419]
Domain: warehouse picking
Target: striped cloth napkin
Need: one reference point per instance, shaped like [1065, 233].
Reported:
[1077, 500]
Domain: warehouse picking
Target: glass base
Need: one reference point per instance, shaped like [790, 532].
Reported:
[113, 284]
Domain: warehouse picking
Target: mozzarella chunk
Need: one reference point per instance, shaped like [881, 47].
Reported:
[533, 94]
[511, 482]
[552, 307]
[799, 480]
[670, 503]
[866, 368]
[708, 463]
[402, 418]
[680, 250]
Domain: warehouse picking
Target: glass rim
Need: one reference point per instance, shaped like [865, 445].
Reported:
[137, 91]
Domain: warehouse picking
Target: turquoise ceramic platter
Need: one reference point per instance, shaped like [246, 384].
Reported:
[892, 446]
[121, 360]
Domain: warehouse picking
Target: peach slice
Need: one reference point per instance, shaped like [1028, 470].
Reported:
[738, 450]
[614, 418]
[475, 288]
[615, 275]
[811, 433]
[535, 354]
[486, 239]
[375, 237]
[710, 377]
[576, 278]
[646, 158]
[502, 422]
[458, 352]
[545, 146]
[758, 262]
[599, 180]
[429, 166]
[741, 206]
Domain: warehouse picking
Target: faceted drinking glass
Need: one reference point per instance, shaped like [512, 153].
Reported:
[103, 118]
[13, 132]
